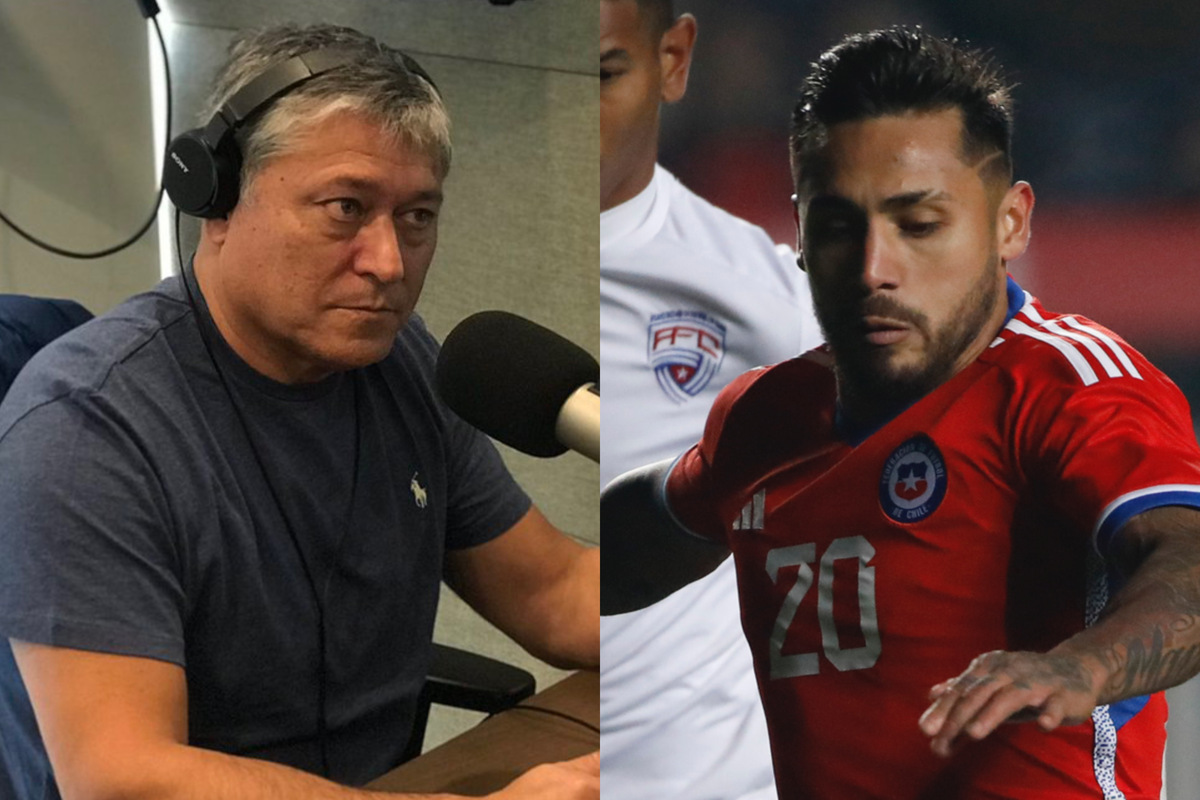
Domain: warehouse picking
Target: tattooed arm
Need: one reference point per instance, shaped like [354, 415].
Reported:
[1147, 640]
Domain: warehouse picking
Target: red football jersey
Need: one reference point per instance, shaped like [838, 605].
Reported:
[977, 519]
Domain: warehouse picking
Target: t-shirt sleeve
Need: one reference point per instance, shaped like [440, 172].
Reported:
[485, 500]
[1116, 448]
[89, 557]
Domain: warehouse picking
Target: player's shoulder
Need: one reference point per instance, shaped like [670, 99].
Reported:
[1066, 351]
[814, 366]
[772, 415]
[799, 387]
[685, 202]
[712, 233]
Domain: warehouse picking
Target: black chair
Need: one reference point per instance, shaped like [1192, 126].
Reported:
[457, 678]
[29, 323]
[460, 679]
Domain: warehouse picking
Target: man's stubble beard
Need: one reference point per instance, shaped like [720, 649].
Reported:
[867, 382]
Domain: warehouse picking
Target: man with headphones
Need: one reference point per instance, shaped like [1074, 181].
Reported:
[229, 502]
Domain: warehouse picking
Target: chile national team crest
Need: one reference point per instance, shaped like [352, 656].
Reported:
[685, 349]
[914, 480]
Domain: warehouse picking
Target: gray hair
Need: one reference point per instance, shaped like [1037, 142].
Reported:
[380, 87]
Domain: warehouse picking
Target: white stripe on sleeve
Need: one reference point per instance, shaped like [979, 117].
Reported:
[1072, 354]
[1112, 345]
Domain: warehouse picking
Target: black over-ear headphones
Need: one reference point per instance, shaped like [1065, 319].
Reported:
[203, 165]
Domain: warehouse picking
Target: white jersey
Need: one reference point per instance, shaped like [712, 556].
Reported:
[690, 297]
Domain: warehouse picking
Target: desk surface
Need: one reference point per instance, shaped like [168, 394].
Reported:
[491, 754]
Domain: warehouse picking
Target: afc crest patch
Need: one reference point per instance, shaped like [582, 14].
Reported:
[914, 480]
[685, 349]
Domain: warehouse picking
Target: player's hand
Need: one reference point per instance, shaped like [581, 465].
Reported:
[577, 779]
[1001, 687]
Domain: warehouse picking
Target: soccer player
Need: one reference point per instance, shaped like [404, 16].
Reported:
[963, 490]
[690, 297]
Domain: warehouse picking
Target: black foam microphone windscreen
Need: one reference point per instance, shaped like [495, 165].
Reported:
[510, 378]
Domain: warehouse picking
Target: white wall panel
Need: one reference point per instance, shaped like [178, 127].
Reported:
[76, 157]
[549, 34]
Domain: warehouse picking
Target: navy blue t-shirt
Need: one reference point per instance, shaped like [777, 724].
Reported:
[136, 519]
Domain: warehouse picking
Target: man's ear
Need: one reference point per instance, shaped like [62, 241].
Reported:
[1013, 218]
[799, 234]
[675, 57]
[215, 230]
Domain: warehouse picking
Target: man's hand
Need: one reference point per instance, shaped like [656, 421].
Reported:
[1054, 689]
[1147, 640]
[577, 779]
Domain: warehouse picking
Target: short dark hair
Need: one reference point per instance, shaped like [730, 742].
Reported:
[896, 70]
[660, 14]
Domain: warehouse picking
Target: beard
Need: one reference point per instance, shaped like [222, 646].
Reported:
[868, 378]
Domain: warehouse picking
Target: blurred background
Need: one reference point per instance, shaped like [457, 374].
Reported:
[82, 118]
[1107, 132]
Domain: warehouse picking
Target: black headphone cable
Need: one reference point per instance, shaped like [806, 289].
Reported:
[322, 723]
[108, 251]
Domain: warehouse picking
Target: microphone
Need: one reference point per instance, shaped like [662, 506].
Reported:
[522, 384]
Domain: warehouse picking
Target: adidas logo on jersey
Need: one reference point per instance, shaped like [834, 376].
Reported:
[753, 516]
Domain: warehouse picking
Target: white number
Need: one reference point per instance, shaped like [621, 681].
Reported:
[800, 663]
[802, 555]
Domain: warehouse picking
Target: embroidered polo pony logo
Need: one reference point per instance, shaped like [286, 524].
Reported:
[420, 497]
